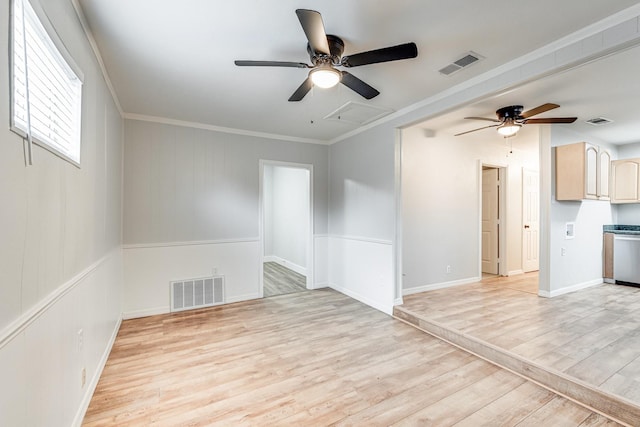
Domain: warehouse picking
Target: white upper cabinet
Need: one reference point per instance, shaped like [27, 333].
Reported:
[604, 163]
[625, 185]
[591, 172]
[582, 172]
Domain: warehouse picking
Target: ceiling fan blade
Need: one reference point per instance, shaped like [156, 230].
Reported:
[393, 53]
[474, 130]
[313, 27]
[551, 120]
[304, 88]
[483, 118]
[357, 85]
[271, 64]
[538, 110]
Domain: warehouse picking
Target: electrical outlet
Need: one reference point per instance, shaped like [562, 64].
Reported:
[215, 271]
[84, 376]
[80, 339]
[563, 251]
[448, 269]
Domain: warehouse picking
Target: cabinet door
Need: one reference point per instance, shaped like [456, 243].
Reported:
[591, 172]
[607, 267]
[604, 165]
[626, 185]
[571, 171]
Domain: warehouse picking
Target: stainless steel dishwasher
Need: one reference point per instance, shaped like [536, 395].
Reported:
[626, 259]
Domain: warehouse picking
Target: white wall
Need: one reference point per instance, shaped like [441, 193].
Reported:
[581, 265]
[60, 259]
[441, 199]
[286, 216]
[195, 193]
[628, 213]
[362, 218]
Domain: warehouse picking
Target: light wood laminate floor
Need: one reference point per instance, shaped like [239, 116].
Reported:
[313, 358]
[279, 280]
[592, 335]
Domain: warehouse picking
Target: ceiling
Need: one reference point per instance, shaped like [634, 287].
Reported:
[174, 60]
[608, 87]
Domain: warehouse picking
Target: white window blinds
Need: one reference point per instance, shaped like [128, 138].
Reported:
[47, 93]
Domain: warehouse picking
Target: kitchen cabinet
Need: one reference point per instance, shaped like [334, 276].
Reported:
[582, 172]
[607, 261]
[625, 181]
[604, 174]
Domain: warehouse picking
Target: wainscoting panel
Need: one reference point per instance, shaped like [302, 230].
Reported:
[362, 269]
[321, 261]
[43, 353]
[149, 269]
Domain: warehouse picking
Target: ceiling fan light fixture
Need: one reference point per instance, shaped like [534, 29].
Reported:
[325, 77]
[509, 128]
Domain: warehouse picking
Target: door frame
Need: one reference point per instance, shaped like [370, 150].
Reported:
[310, 252]
[503, 173]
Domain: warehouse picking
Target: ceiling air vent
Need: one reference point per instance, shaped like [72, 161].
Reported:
[468, 59]
[599, 121]
[360, 114]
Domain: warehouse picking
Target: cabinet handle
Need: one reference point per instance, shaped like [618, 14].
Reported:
[526, 226]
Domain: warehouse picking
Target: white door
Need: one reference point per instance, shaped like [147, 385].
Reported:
[530, 220]
[490, 220]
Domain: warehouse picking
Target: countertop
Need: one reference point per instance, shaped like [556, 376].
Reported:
[622, 229]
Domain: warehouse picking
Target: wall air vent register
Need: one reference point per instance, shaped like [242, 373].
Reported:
[197, 293]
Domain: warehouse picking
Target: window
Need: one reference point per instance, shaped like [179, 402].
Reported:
[46, 85]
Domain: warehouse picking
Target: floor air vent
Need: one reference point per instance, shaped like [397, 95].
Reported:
[197, 293]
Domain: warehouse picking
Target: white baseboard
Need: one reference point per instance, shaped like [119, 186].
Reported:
[442, 285]
[612, 281]
[286, 263]
[320, 285]
[166, 310]
[569, 289]
[514, 272]
[240, 298]
[381, 307]
[145, 313]
[86, 399]
[398, 301]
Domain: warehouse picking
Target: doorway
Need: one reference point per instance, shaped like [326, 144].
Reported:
[286, 218]
[492, 221]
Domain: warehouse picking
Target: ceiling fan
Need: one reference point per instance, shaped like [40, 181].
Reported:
[325, 52]
[511, 119]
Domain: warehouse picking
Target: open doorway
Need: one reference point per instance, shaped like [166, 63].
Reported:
[285, 228]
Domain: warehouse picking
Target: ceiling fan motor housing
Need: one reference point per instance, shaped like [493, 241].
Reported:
[510, 112]
[336, 48]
